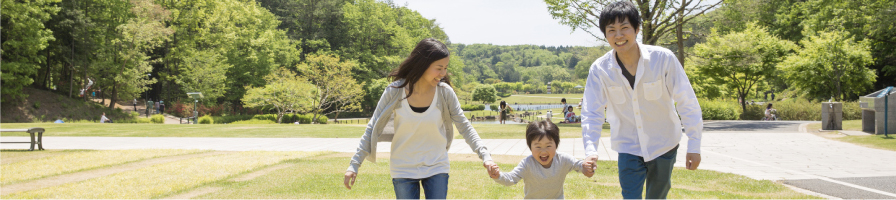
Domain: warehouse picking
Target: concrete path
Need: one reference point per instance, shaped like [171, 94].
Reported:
[777, 151]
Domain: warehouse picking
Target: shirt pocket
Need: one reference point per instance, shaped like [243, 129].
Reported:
[653, 90]
[616, 94]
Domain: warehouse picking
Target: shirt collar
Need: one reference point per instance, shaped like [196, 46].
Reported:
[645, 55]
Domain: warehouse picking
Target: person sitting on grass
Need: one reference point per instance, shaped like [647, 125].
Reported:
[104, 119]
[570, 115]
[545, 170]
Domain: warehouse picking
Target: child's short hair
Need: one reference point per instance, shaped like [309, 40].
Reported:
[563, 100]
[569, 108]
[616, 11]
[540, 129]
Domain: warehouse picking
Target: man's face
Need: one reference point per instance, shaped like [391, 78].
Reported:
[621, 35]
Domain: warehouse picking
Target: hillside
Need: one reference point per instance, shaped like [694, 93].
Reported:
[47, 106]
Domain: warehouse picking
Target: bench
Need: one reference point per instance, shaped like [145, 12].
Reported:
[187, 118]
[38, 141]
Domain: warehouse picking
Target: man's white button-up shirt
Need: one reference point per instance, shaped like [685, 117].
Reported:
[644, 120]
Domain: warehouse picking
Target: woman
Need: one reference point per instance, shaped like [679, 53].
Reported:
[424, 106]
[769, 112]
[503, 110]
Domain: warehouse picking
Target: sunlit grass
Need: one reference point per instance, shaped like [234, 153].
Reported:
[77, 161]
[321, 178]
[163, 179]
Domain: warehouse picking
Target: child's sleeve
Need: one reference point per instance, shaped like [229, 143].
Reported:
[576, 164]
[513, 177]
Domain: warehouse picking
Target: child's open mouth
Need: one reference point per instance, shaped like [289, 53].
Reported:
[543, 158]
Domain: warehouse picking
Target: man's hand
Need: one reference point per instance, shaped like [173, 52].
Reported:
[693, 161]
[588, 168]
[350, 179]
[493, 170]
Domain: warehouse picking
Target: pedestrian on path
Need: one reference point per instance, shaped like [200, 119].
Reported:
[632, 79]
[424, 107]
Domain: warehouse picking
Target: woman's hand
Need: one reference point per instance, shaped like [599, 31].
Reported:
[350, 179]
[493, 170]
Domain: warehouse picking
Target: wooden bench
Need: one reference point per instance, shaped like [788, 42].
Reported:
[32, 131]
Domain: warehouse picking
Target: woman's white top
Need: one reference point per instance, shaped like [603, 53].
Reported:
[418, 147]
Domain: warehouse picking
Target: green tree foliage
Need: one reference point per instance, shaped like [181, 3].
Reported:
[337, 91]
[382, 34]
[373, 91]
[831, 65]
[206, 73]
[738, 60]
[485, 94]
[659, 16]
[126, 58]
[24, 36]
[284, 92]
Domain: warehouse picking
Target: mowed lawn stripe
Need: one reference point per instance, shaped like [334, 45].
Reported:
[76, 161]
[163, 179]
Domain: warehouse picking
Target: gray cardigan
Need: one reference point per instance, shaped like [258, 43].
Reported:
[382, 116]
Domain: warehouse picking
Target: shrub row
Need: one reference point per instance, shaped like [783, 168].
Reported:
[790, 109]
[287, 118]
[472, 107]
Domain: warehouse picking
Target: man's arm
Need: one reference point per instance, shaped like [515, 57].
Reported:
[688, 108]
[593, 103]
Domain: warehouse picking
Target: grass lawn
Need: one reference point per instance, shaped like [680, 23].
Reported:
[73, 161]
[873, 141]
[313, 175]
[572, 99]
[486, 131]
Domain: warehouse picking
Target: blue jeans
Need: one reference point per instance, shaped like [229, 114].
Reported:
[434, 187]
[658, 173]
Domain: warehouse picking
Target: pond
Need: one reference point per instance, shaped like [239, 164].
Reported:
[522, 107]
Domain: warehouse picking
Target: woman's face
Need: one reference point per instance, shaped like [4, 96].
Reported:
[436, 71]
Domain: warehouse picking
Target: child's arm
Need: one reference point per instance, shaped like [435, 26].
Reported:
[586, 167]
[514, 176]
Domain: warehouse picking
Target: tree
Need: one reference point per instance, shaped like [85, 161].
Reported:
[659, 17]
[337, 90]
[24, 35]
[485, 94]
[206, 73]
[284, 91]
[127, 60]
[738, 60]
[831, 65]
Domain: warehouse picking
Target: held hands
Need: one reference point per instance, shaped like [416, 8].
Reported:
[693, 161]
[493, 170]
[350, 179]
[588, 168]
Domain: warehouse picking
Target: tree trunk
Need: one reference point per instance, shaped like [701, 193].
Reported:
[113, 96]
[679, 34]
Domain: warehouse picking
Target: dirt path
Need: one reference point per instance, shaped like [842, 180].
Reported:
[89, 174]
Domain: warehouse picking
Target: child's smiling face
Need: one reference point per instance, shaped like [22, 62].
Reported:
[544, 149]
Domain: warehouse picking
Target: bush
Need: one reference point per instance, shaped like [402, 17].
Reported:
[322, 119]
[503, 94]
[303, 119]
[493, 106]
[230, 118]
[472, 107]
[254, 121]
[139, 120]
[206, 120]
[157, 119]
[719, 110]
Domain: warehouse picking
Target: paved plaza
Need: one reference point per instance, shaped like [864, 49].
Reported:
[777, 151]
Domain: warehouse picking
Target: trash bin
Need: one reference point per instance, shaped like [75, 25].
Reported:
[832, 116]
[879, 111]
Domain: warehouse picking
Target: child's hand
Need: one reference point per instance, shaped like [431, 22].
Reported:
[492, 169]
[588, 168]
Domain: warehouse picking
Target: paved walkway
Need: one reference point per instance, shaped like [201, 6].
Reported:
[773, 151]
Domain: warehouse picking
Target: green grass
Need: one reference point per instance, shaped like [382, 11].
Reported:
[317, 175]
[572, 99]
[486, 131]
[873, 141]
[76, 161]
[321, 177]
[161, 180]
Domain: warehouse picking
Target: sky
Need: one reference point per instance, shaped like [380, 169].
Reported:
[499, 22]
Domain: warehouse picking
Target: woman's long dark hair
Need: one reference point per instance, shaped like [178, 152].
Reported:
[415, 65]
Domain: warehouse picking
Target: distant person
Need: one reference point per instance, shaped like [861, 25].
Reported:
[503, 111]
[135, 105]
[648, 98]
[104, 119]
[570, 115]
[544, 172]
[563, 105]
[156, 107]
[770, 113]
[773, 96]
[161, 106]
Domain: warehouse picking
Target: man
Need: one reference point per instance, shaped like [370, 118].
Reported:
[642, 87]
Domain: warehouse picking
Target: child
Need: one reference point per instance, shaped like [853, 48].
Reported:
[545, 170]
[563, 105]
[570, 116]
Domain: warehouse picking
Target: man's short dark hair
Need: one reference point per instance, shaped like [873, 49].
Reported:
[616, 11]
[540, 129]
